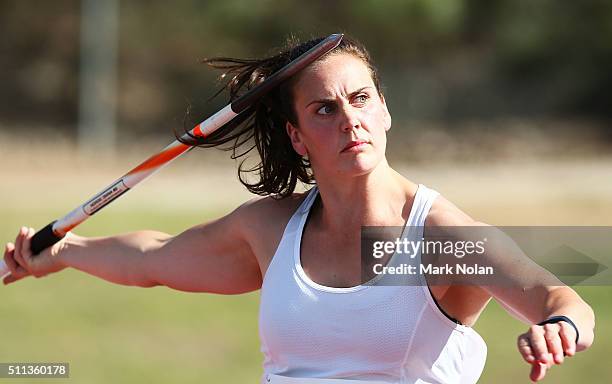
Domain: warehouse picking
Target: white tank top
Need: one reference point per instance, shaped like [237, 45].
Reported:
[394, 334]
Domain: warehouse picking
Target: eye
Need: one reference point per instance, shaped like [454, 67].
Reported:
[326, 109]
[362, 98]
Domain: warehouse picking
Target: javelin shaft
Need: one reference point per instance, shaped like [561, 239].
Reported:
[57, 229]
[135, 176]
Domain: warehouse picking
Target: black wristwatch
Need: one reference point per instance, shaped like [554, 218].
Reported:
[556, 319]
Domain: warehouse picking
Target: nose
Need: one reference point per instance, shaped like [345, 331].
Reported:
[349, 119]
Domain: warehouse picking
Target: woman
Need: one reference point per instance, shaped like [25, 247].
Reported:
[318, 319]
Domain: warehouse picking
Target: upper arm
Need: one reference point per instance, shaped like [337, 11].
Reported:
[213, 257]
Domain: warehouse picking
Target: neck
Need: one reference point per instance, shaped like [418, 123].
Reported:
[377, 198]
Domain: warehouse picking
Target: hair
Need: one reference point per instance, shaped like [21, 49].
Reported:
[262, 125]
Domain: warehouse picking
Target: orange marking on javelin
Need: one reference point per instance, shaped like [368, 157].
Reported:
[67, 229]
[197, 131]
[160, 159]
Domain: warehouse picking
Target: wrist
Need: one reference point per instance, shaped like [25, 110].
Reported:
[67, 247]
[556, 319]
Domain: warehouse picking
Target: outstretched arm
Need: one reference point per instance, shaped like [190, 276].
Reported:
[212, 257]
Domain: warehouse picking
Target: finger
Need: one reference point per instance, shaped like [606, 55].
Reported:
[9, 250]
[568, 338]
[525, 349]
[538, 343]
[538, 371]
[26, 244]
[23, 256]
[553, 341]
[12, 278]
[27, 253]
[18, 245]
[9, 258]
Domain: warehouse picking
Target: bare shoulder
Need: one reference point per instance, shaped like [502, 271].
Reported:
[265, 211]
[444, 213]
[263, 221]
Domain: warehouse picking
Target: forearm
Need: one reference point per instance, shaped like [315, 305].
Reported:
[119, 259]
[565, 301]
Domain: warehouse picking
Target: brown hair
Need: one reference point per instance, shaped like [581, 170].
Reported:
[262, 126]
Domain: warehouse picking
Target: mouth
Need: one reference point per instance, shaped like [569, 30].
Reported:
[355, 145]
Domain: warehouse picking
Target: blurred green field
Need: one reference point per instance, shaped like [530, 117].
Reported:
[110, 333]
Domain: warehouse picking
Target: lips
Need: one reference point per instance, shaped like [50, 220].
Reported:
[354, 144]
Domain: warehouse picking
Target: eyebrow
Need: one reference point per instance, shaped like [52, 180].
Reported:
[327, 101]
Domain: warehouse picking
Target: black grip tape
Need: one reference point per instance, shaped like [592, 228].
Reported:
[44, 238]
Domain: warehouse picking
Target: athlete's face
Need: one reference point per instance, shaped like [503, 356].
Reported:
[341, 118]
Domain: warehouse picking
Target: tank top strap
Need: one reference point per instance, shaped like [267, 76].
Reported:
[308, 201]
[296, 222]
[423, 200]
[296, 219]
[283, 256]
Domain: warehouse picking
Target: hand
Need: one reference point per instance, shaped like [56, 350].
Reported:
[546, 345]
[19, 260]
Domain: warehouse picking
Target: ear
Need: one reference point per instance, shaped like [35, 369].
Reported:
[387, 115]
[296, 139]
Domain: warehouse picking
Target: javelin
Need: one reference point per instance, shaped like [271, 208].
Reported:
[56, 230]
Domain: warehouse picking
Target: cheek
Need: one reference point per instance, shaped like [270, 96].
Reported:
[313, 139]
[378, 125]
[378, 121]
[315, 129]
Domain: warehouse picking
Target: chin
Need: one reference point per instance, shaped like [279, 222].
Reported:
[361, 165]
